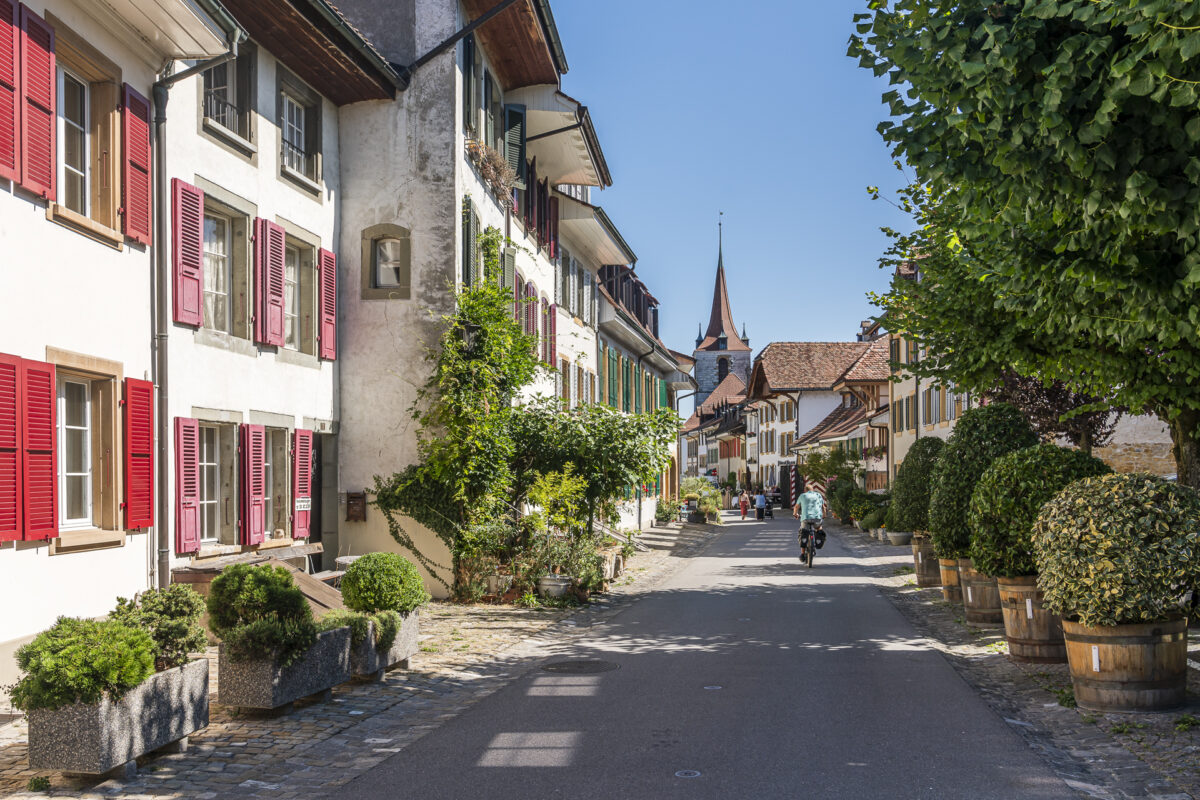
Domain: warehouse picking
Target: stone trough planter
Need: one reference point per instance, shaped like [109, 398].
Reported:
[262, 683]
[554, 585]
[95, 738]
[367, 660]
[899, 538]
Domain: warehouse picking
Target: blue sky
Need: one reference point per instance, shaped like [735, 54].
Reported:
[754, 109]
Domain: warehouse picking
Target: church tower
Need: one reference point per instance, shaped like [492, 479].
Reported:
[720, 351]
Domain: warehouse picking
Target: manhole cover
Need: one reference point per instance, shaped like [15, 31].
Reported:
[580, 666]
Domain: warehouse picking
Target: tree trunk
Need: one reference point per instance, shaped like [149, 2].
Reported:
[1085, 440]
[1185, 427]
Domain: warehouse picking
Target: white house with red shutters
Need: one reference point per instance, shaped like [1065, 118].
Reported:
[77, 437]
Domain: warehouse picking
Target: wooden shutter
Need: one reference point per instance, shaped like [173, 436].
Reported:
[552, 334]
[135, 142]
[253, 450]
[139, 454]
[11, 524]
[664, 398]
[187, 252]
[187, 485]
[468, 81]
[553, 221]
[518, 289]
[327, 304]
[514, 140]
[508, 278]
[269, 240]
[302, 454]
[40, 403]
[39, 85]
[10, 72]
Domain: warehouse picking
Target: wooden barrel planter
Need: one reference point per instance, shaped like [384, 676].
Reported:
[925, 562]
[1138, 667]
[948, 574]
[1034, 634]
[981, 597]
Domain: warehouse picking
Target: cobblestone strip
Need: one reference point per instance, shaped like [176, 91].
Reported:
[467, 652]
[1108, 756]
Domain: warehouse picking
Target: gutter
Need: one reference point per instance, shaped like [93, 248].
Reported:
[553, 40]
[160, 280]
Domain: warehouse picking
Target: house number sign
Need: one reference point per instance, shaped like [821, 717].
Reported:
[304, 504]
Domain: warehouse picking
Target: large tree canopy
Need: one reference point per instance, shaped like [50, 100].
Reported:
[1061, 140]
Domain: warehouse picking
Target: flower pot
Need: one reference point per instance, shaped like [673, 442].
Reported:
[554, 585]
[899, 538]
[367, 660]
[94, 738]
[262, 683]
[981, 597]
[498, 584]
[925, 562]
[951, 588]
[1137, 667]
[1033, 633]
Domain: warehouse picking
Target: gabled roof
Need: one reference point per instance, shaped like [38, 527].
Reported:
[730, 390]
[691, 424]
[841, 421]
[720, 319]
[803, 366]
[872, 365]
[685, 362]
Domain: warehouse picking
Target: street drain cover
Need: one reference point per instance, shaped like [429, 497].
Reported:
[580, 666]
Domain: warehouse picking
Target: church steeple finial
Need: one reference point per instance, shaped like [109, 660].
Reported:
[721, 240]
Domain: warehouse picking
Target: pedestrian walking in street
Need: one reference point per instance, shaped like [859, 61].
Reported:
[760, 504]
[744, 503]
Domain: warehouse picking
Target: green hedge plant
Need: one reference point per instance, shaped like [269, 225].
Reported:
[172, 618]
[82, 660]
[259, 612]
[1119, 549]
[383, 582]
[981, 436]
[1009, 496]
[914, 485]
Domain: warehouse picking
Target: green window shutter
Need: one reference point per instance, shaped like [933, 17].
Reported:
[468, 81]
[476, 254]
[514, 141]
[468, 242]
[664, 399]
[509, 275]
[612, 378]
[637, 392]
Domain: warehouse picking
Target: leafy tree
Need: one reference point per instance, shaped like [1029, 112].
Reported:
[1054, 410]
[1059, 139]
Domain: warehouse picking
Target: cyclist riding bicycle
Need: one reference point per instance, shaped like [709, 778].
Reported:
[810, 509]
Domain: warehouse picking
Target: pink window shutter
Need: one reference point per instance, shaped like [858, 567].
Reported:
[10, 90]
[327, 304]
[253, 483]
[11, 427]
[187, 251]
[135, 175]
[187, 485]
[39, 104]
[40, 401]
[302, 455]
[139, 454]
[269, 244]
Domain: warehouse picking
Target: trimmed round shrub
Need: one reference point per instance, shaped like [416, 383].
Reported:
[1009, 496]
[82, 660]
[914, 485]
[1119, 549]
[981, 436]
[383, 582]
[259, 612]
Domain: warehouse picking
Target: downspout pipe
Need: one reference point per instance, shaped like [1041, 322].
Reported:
[160, 307]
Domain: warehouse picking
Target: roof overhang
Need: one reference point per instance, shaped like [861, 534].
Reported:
[678, 379]
[617, 325]
[560, 135]
[312, 39]
[179, 29]
[521, 42]
[590, 229]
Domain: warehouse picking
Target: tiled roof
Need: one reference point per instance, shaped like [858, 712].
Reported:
[730, 390]
[872, 365]
[685, 362]
[841, 420]
[808, 365]
[692, 423]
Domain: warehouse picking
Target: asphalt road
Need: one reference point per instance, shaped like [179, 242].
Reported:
[765, 679]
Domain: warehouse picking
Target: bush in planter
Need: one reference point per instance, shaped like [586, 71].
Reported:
[383, 582]
[1009, 496]
[82, 660]
[259, 612]
[874, 519]
[172, 618]
[860, 504]
[981, 435]
[1118, 549]
[387, 625]
[914, 485]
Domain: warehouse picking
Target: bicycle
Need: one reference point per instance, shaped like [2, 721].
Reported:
[810, 543]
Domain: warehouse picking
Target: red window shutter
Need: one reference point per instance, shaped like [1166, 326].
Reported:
[135, 119]
[10, 72]
[327, 304]
[11, 526]
[518, 293]
[187, 251]
[553, 334]
[39, 84]
[531, 310]
[139, 454]
[302, 454]
[254, 483]
[269, 240]
[187, 485]
[39, 398]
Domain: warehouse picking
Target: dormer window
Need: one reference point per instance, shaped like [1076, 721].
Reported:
[722, 341]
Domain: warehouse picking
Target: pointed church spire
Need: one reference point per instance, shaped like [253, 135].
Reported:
[721, 318]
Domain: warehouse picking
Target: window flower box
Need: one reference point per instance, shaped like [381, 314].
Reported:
[262, 683]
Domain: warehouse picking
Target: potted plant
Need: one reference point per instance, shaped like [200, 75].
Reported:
[981, 435]
[383, 593]
[271, 649]
[1004, 506]
[98, 694]
[910, 505]
[1117, 558]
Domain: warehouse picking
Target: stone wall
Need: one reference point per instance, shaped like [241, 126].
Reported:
[706, 370]
[1154, 457]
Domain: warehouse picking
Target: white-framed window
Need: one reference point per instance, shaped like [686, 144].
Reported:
[210, 483]
[291, 298]
[74, 453]
[294, 155]
[218, 272]
[73, 146]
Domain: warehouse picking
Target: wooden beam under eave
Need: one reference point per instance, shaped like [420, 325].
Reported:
[515, 45]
